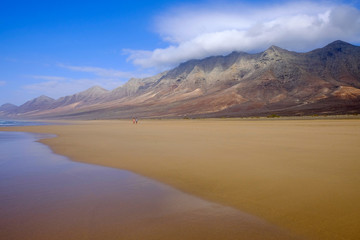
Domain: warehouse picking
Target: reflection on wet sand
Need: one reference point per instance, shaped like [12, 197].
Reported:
[46, 196]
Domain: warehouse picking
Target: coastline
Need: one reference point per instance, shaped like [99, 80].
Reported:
[297, 174]
[73, 200]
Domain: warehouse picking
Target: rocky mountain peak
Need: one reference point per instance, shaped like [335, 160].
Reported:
[44, 98]
[95, 90]
[273, 53]
[206, 65]
[339, 43]
[275, 50]
[336, 47]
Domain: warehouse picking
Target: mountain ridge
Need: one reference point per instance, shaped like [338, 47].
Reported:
[322, 81]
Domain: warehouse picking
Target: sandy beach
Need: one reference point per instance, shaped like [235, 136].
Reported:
[302, 175]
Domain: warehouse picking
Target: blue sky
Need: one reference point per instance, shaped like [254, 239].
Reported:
[58, 48]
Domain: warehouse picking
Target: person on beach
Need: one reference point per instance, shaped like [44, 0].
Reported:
[136, 120]
[133, 119]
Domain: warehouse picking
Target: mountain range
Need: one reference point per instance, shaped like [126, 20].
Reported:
[276, 81]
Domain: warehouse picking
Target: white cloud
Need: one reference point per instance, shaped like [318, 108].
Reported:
[201, 31]
[103, 72]
[2, 83]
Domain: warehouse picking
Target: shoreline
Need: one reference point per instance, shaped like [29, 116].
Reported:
[85, 199]
[249, 118]
[260, 167]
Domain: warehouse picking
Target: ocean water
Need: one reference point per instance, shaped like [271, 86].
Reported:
[47, 196]
[11, 123]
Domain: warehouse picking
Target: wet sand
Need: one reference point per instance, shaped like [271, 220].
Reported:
[302, 175]
[46, 196]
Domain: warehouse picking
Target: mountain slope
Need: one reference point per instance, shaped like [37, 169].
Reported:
[87, 97]
[322, 81]
[37, 104]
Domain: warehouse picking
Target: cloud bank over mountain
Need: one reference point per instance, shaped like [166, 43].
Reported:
[198, 31]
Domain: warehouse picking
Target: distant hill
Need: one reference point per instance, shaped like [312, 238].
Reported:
[7, 108]
[35, 105]
[276, 81]
[91, 96]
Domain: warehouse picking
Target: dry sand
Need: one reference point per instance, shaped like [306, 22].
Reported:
[303, 175]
